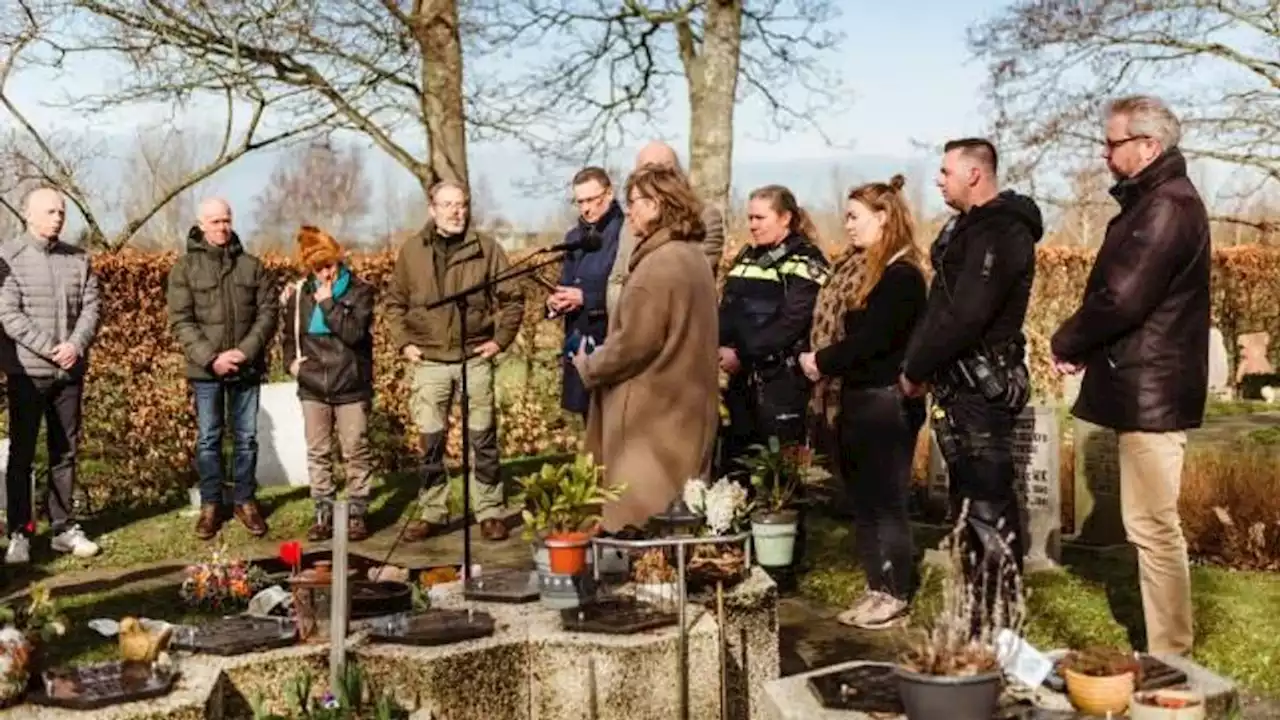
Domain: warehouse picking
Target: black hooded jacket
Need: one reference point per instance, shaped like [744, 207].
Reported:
[984, 262]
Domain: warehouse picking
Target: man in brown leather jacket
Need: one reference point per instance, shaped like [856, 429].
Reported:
[1142, 336]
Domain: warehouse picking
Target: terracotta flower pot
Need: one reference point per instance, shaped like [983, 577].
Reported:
[1099, 695]
[568, 552]
[1167, 705]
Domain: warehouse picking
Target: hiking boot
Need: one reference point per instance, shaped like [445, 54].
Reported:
[493, 530]
[855, 613]
[249, 516]
[207, 525]
[885, 611]
[419, 530]
[19, 550]
[322, 528]
[73, 540]
[357, 529]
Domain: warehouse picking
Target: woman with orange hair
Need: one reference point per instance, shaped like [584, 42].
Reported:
[872, 303]
[328, 347]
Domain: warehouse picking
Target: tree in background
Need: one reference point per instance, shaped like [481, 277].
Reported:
[391, 71]
[315, 183]
[45, 38]
[160, 158]
[1054, 63]
[607, 64]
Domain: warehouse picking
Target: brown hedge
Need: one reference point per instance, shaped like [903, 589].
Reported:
[139, 426]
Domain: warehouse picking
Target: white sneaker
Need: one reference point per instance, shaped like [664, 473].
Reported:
[73, 540]
[19, 551]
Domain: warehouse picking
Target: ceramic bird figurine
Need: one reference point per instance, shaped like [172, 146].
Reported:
[139, 645]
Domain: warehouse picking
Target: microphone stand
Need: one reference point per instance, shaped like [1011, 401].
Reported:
[460, 299]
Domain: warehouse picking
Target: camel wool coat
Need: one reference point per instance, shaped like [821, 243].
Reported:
[653, 415]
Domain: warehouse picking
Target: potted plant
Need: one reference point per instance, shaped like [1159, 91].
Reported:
[562, 502]
[222, 584]
[26, 629]
[654, 577]
[1167, 704]
[953, 669]
[726, 511]
[777, 473]
[1100, 680]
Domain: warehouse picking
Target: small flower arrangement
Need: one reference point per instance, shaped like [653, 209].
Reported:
[222, 583]
[724, 504]
[15, 664]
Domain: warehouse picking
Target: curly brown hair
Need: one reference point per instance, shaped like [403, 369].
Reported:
[679, 209]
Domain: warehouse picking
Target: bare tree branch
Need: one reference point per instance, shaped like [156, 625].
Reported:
[1052, 64]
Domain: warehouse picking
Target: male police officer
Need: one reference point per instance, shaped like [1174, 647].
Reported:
[970, 346]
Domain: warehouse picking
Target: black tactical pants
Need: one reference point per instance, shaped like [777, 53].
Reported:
[981, 472]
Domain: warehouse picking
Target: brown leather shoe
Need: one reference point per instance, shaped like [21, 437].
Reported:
[249, 515]
[419, 530]
[493, 530]
[207, 525]
[357, 530]
[320, 531]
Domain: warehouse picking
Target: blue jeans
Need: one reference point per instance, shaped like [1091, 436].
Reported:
[215, 401]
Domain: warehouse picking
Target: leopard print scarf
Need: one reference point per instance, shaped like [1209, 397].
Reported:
[833, 302]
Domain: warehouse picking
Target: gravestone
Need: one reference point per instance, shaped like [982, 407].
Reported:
[1097, 486]
[1219, 365]
[282, 441]
[1253, 355]
[1036, 452]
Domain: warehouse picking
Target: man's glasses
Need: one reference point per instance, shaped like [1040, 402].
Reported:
[582, 202]
[1112, 145]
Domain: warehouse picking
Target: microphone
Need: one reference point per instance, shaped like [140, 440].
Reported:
[590, 242]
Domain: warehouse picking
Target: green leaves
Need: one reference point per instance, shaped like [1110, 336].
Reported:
[565, 498]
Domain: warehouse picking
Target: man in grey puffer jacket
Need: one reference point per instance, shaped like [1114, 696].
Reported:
[49, 312]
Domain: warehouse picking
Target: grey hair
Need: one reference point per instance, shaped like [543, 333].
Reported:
[442, 184]
[1148, 115]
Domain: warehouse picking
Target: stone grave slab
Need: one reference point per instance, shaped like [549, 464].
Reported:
[282, 442]
[619, 615]
[1098, 520]
[235, 635]
[432, 627]
[1219, 365]
[1036, 446]
[92, 687]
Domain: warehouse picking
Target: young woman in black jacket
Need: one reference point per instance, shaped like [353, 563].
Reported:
[866, 313]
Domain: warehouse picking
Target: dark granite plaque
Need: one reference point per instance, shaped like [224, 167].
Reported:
[1156, 675]
[616, 616]
[91, 687]
[433, 627]
[504, 586]
[864, 689]
[235, 635]
[373, 599]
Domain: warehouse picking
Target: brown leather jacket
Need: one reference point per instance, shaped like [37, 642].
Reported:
[1143, 327]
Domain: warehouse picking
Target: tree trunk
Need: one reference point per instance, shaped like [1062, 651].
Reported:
[441, 48]
[712, 75]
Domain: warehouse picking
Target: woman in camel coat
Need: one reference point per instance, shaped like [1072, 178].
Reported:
[654, 386]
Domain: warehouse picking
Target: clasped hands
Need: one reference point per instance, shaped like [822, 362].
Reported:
[565, 299]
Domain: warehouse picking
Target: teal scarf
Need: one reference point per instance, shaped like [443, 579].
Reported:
[318, 325]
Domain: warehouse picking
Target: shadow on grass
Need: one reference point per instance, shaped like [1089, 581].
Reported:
[1116, 570]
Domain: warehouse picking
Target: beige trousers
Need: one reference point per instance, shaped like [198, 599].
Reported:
[350, 422]
[1150, 480]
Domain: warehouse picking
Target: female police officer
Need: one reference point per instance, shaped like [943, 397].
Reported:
[765, 316]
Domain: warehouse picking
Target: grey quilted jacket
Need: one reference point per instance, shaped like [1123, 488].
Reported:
[48, 296]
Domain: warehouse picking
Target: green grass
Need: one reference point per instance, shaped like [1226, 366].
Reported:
[1094, 600]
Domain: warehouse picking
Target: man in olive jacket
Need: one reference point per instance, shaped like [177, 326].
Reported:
[446, 258]
[1142, 337]
[223, 309]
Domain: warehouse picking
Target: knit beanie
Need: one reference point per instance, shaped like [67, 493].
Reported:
[317, 249]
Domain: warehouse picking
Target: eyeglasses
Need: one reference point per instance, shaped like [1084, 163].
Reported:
[452, 207]
[589, 200]
[1114, 144]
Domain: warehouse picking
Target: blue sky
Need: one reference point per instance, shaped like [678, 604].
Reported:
[906, 63]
